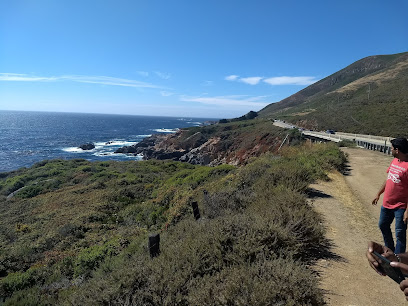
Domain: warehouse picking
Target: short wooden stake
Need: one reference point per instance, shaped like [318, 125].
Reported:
[154, 245]
[196, 211]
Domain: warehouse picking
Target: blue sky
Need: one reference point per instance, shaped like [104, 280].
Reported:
[200, 58]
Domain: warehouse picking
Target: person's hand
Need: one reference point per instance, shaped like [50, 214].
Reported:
[404, 270]
[374, 260]
[374, 202]
[405, 216]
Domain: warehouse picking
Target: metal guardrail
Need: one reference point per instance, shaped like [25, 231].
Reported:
[364, 136]
[375, 143]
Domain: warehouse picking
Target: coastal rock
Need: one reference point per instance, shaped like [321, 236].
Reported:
[87, 146]
[196, 158]
[203, 154]
[143, 147]
[127, 149]
[162, 154]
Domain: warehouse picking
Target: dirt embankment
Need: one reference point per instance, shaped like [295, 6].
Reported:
[345, 203]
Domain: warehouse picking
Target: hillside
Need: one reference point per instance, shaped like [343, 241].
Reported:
[369, 96]
[75, 232]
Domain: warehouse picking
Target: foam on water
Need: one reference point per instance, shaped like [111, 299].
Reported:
[166, 130]
[74, 150]
[144, 136]
[115, 143]
[102, 148]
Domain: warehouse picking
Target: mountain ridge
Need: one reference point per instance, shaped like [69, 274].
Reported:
[360, 88]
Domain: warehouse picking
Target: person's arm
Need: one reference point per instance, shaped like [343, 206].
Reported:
[405, 218]
[374, 202]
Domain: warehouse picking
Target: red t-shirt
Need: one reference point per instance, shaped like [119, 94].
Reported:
[396, 187]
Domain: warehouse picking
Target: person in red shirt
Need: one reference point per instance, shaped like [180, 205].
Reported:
[395, 189]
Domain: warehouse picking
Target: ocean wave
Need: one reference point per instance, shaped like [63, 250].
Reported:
[75, 150]
[115, 143]
[143, 136]
[100, 147]
[112, 154]
[166, 130]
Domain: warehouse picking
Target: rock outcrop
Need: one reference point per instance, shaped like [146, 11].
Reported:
[212, 146]
[87, 146]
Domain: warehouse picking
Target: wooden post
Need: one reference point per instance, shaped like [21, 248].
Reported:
[196, 211]
[154, 245]
[206, 198]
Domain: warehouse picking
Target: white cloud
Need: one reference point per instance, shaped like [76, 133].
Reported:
[24, 78]
[251, 80]
[163, 75]
[236, 100]
[103, 80]
[232, 77]
[286, 80]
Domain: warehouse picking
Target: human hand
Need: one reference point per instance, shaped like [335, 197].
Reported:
[374, 202]
[405, 216]
[374, 260]
[404, 270]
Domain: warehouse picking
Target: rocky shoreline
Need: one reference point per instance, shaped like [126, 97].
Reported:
[213, 145]
[196, 149]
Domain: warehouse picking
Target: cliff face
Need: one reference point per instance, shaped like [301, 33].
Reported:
[231, 143]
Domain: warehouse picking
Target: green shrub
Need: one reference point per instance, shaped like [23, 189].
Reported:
[276, 282]
[29, 192]
[90, 258]
[29, 297]
[17, 281]
[347, 143]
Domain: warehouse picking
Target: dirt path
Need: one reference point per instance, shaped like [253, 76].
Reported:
[352, 221]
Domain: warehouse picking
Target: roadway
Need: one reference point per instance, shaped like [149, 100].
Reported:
[339, 136]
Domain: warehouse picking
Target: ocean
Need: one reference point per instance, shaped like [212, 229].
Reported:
[30, 137]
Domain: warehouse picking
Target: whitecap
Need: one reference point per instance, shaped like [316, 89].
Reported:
[103, 153]
[144, 136]
[166, 130]
[74, 150]
[121, 143]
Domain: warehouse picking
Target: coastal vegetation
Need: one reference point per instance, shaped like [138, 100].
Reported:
[74, 232]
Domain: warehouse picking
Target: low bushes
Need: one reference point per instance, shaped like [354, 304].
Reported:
[253, 245]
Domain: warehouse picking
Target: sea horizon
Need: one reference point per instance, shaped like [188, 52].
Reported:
[27, 137]
[110, 114]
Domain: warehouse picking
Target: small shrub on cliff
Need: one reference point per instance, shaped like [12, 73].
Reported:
[275, 282]
[347, 143]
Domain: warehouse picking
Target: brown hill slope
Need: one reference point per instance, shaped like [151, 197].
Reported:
[368, 96]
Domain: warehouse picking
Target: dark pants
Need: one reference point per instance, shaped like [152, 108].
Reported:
[386, 218]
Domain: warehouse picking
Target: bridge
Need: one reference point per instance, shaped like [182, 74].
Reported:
[371, 142]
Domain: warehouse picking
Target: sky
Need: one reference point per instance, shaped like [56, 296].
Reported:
[200, 58]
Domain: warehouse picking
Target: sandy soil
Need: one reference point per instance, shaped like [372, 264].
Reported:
[351, 222]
